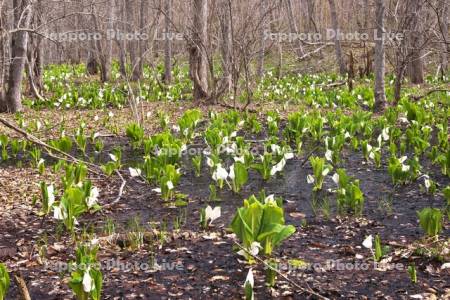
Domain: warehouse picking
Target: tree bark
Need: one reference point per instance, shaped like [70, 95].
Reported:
[3, 43]
[133, 45]
[337, 42]
[106, 55]
[443, 27]
[293, 28]
[262, 45]
[227, 42]
[415, 65]
[22, 18]
[168, 44]
[312, 26]
[198, 68]
[121, 43]
[380, 95]
[141, 44]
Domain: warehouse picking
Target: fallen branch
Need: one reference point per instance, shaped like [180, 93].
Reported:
[67, 157]
[31, 138]
[22, 286]
[418, 97]
[305, 160]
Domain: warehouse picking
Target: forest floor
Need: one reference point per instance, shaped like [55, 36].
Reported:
[325, 254]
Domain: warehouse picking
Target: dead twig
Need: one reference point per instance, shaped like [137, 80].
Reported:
[67, 157]
[22, 286]
[418, 97]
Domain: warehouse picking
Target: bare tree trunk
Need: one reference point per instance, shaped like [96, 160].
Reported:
[293, 28]
[312, 26]
[168, 44]
[380, 95]
[443, 27]
[22, 19]
[2, 55]
[262, 45]
[132, 45]
[337, 42]
[198, 61]
[121, 44]
[141, 44]
[227, 42]
[106, 55]
[415, 66]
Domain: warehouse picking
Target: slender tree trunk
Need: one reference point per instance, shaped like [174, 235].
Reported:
[415, 66]
[168, 44]
[262, 45]
[121, 43]
[337, 42]
[133, 44]
[198, 67]
[312, 27]
[227, 42]
[443, 27]
[22, 19]
[141, 44]
[2, 56]
[106, 55]
[293, 28]
[380, 95]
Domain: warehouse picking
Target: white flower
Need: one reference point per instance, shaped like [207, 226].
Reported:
[110, 114]
[368, 242]
[372, 155]
[403, 120]
[249, 278]
[335, 178]
[405, 168]
[240, 159]
[93, 197]
[310, 179]
[325, 172]
[41, 161]
[254, 248]
[385, 133]
[275, 148]
[231, 174]
[157, 190]
[209, 162]
[51, 195]
[88, 282]
[269, 199]
[220, 173]
[169, 185]
[113, 157]
[403, 159]
[278, 167]
[347, 135]
[96, 118]
[58, 213]
[212, 214]
[289, 155]
[329, 155]
[135, 172]
[176, 128]
[38, 125]
[427, 184]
